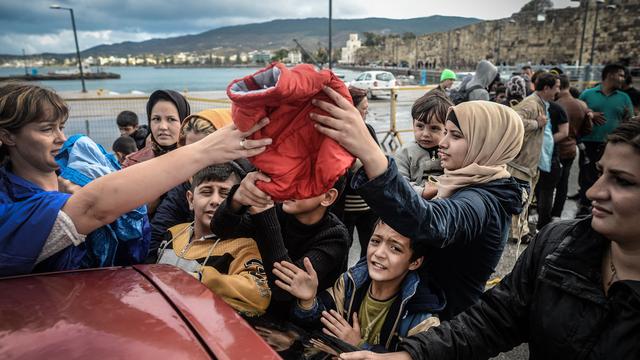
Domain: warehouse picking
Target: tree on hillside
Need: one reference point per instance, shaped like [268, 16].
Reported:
[537, 5]
[373, 39]
[322, 55]
[408, 36]
[280, 55]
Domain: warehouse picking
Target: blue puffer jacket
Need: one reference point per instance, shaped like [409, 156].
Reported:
[468, 230]
[413, 311]
[123, 242]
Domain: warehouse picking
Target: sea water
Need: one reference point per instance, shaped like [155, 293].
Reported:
[146, 79]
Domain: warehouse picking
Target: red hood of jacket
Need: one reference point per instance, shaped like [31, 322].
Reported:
[301, 162]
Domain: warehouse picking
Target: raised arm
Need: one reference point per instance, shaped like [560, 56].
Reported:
[106, 198]
[438, 222]
[498, 322]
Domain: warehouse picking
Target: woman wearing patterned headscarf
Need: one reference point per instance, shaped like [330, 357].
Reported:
[516, 90]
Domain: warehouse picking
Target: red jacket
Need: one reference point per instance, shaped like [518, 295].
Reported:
[301, 162]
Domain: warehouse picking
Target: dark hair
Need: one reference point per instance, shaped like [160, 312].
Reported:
[564, 82]
[432, 105]
[628, 79]
[127, 118]
[21, 104]
[124, 145]
[454, 119]
[340, 184]
[574, 92]
[556, 71]
[627, 132]
[545, 80]
[611, 69]
[534, 77]
[220, 172]
[501, 90]
[357, 94]
[418, 248]
[526, 67]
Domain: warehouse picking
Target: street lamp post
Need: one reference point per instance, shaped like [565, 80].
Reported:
[330, 16]
[449, 49]
[75, 36]
[593, 35]
[584, 3]
[595, 27]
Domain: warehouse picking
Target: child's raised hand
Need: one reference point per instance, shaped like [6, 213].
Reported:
[297, 282]
[336, 325]
[248, 194]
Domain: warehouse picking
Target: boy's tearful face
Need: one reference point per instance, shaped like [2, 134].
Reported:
[389, 254]
[205, 199]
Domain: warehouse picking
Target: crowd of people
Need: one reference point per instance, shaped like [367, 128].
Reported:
[261, 203]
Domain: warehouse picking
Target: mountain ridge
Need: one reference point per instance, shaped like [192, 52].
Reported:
[279, 33]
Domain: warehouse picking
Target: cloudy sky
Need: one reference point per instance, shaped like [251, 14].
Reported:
[32, 26]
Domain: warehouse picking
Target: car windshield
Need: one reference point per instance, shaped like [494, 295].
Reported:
[384, 77]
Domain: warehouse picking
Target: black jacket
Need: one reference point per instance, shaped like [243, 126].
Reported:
[553, 299]
[173, 210]
[280, 236]
[466, 232]
[140, 136]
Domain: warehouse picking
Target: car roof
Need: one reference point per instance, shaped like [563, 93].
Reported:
[376, 72]
[143, 310]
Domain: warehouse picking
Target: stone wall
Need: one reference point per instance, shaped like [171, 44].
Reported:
[522, 38]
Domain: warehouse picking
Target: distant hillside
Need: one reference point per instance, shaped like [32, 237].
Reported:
[311, 33]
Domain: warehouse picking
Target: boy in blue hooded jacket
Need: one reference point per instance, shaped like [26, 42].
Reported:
[373, 305]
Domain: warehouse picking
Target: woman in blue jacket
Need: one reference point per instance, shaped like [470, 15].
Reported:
[37, 219]
[468, 222]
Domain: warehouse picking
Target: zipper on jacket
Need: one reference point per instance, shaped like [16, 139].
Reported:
[395, 324]
[353, 293]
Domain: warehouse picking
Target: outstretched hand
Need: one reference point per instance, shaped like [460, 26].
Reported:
[598, 118]
[248, 194]
[229, 143]
[336, 325]
[345, 125]
[297, 282]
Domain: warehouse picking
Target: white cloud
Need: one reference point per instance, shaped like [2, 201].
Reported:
[63, 42]
[32, 26]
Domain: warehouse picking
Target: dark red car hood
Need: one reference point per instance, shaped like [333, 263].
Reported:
[142, 311]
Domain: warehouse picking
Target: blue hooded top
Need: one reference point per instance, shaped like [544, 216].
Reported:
[27, 215]
[123, 242]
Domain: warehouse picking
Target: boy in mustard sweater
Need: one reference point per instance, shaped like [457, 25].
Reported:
[231, 268]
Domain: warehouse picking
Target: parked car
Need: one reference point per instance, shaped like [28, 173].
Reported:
[375, 82]
[137, 312]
